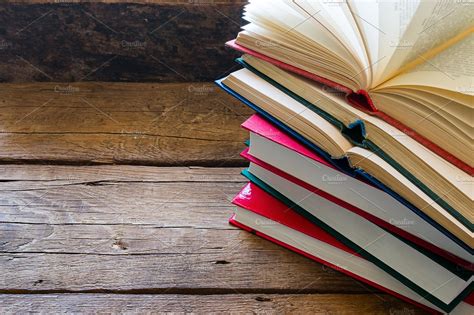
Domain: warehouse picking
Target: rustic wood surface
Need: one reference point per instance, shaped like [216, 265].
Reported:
[133, 41]
[81, 235]
[148, 124]
[160, 234]
[345, 304]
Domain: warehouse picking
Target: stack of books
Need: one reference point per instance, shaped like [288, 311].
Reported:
[361, 148]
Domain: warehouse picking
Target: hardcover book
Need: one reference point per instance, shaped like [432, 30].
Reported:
[398, 60]
[445, 188]
[279, 153]
[258, 212]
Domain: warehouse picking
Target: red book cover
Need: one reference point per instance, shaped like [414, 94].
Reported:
[360, 100]
[260, 126]
[255, 199]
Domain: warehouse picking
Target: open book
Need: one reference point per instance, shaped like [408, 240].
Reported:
[407, 62]
[430, 183]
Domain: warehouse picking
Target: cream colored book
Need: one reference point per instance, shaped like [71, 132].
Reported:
[411, 61]
[317, 129]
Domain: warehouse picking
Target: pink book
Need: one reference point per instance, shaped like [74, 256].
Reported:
[394, 211]
[267, 217]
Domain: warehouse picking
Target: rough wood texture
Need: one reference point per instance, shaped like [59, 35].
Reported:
[153, 124]
[176, 2]
[126, 238]
[205, 304]
[158, 235]
[69, 226]
[164, 41]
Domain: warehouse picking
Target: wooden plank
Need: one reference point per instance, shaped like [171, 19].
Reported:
[13, 175]
[108, 194]
[175, 2]
[115, 202]
[145, 41]
[272, 270]
[59, 231]
[205, 304]
[153, 124]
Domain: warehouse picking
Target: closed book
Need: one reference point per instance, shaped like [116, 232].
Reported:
[260, 213]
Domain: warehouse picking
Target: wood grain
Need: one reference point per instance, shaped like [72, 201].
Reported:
[44, 175]
[54, 235]
[126, 238]
[132, 41]
[158, 236]
[205, 304]
[176, 2]
[152, 124]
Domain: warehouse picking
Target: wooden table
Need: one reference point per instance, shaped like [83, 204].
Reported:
[115, 198]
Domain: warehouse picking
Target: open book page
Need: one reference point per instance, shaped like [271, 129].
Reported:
[327, 66]
[424, 120]
[451, 69]
[462, 99]
[279, 31]
[266, 20]
[337, 18]
[458, 115]
[402, 33]
[430, 123]
[432, 28]
[383, 24]
[366, 17]
[282, 19]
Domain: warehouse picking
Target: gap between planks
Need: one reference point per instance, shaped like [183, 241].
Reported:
[125, 236]
[128, 234]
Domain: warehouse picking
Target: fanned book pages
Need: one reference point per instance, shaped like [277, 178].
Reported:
[406, 62]
[362, 141]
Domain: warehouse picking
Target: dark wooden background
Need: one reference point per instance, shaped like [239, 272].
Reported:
[67, 41]
[118, 161]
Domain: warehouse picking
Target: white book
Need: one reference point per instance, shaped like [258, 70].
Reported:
[353, 191]
[398, 258]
